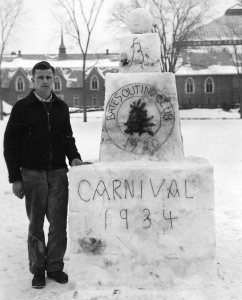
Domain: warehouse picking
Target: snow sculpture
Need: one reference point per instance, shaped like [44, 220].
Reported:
[141, 119]
[143, 216]
[139, 21]
[140, 53]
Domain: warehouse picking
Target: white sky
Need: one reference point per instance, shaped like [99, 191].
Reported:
[39, 31]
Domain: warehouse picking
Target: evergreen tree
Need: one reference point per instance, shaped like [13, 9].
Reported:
[138, 121]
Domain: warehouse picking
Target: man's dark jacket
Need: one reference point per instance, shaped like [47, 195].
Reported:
[36, 138]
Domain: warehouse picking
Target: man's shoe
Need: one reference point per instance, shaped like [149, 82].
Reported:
[58, 276]
[38, 281]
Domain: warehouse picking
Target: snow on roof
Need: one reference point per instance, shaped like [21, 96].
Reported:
[104, 70]
[73, 76]
[61, 63]
[6, 76]
[186, 70]
[211, 62]
[70, 69]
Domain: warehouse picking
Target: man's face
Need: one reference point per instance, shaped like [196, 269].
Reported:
[43, 81]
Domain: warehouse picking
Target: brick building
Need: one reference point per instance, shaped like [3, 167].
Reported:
[16, 76]
[211, 72]
[208, 76]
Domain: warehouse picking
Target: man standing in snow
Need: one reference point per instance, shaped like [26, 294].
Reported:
[37, 140]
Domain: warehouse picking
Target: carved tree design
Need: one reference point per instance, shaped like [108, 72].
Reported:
[138, 121]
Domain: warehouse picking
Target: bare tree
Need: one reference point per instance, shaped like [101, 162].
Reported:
[78, 19]
[174, 21]
[235, 52]
[9, 14]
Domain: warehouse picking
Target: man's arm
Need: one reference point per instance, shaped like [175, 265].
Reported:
[13, 137]
[71, 150]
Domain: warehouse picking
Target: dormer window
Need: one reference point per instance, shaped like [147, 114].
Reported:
[57, 84]
[19, 84]
[94, 83]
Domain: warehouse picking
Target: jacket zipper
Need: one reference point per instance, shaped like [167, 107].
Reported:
[48, 118]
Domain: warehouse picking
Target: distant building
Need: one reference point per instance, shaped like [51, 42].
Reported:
[16, 76]
[208, 76]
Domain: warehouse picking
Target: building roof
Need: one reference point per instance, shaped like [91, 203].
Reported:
[104, 70]
[73, 77]
[223, 30]
[68, 66]
[6, 76]
[212, 62]
[70, 60]
[234, 10]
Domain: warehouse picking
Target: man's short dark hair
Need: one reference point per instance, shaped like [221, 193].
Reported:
[43, 65]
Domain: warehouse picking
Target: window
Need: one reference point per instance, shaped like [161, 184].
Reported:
[190, 86]
[76, 101]
[19, 84]
[57, 84]
[209, 85]
[94, 100]
[94, 83]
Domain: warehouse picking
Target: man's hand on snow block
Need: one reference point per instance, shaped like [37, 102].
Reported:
[78, 162]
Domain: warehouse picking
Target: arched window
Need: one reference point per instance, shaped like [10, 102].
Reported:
[94, 83]
[19, 84]
[209, 85]
[57, 84]
[190, 86]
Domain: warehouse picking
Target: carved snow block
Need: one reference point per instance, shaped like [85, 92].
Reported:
[139, 21]
[140, 53]
[141, 224]
[141, 119]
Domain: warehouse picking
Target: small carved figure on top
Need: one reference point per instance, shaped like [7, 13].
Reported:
[138, 56]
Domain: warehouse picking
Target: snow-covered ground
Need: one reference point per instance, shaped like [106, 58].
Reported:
[212, 134]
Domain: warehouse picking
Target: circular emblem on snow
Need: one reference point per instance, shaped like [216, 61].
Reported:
[139, 118]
